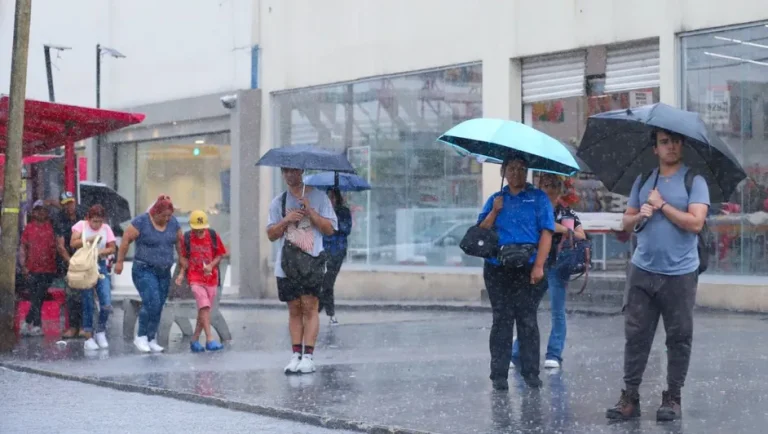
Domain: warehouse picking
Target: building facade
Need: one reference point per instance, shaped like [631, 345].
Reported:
[192, 68]
[381, 80]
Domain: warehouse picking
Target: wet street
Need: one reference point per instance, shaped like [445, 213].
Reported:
[423, 371]
[37, 404]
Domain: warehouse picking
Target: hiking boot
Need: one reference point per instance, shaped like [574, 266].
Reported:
[628, 406]
[500, 384]
[670, 407]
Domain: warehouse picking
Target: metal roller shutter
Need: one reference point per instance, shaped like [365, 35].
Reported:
[554, 76]
[634, 66]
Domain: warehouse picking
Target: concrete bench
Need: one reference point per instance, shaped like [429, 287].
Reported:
[179, 310]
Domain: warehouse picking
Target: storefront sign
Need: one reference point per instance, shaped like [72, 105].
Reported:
[717, 112]
[639, 98]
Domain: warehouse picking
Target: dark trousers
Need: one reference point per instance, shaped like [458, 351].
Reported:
[514, 302]
[74, 308]
[332, 268]
[648, 297]
[37, 285]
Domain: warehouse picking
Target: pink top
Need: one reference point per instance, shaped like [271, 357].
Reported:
[107, 236]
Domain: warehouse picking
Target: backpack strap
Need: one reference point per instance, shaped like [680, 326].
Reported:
[283, 199]
[645, 177]
[187, 243]
[214, 240]
[690, 175]
[215, 247]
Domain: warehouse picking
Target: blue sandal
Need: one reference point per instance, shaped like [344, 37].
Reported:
[214, 346]
[196, 347]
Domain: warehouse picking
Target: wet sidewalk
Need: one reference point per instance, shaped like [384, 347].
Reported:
[428, 371]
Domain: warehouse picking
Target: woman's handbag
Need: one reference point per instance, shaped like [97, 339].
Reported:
[574, 259]
[481, 243]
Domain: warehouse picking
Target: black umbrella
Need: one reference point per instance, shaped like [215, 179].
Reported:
[617, 146]
[306, 158]
[582, 164]
[117, 207]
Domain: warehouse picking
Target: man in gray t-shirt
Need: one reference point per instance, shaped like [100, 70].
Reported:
[300, 215]
[663, 275]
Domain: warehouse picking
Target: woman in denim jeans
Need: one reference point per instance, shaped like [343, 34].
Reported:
[87, 230]
[156, 233]
[553, 186]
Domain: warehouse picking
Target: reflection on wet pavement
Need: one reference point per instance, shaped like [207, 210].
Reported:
[429, 371]
[36, 404]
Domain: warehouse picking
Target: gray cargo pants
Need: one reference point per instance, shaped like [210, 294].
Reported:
[647, 297]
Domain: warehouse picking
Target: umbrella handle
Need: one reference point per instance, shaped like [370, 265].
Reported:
[641, 225]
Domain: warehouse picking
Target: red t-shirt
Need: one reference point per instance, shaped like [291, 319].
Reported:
[40, 243]
[202, 253]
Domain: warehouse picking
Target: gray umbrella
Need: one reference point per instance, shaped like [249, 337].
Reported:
[307, 158]
[617, 146]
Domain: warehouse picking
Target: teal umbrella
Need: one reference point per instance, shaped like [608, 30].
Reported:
[493, 140]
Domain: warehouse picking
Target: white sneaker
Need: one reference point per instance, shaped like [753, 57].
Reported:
[24, 329]
[155, 347]
[512, 365]
[552, 364]
[101, 340]
[333, 321]
[307, 365]
[293, 365]
[140, 342]
[35, 331]
[90, 345]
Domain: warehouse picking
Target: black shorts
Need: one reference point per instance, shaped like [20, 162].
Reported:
[288, 290]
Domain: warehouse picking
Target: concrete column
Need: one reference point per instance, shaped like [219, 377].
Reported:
[669, 68]
[502, 98]
[245, 133]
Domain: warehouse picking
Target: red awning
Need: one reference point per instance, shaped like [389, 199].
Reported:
[49, 125]
[32, 159]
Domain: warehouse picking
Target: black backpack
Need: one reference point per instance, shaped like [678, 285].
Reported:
[704, 234]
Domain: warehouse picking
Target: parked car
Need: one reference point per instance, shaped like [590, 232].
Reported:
[437, 245]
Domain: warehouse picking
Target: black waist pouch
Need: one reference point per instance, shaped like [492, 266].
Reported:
[516, 256]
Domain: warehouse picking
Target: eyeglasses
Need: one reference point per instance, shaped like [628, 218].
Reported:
[517, 169]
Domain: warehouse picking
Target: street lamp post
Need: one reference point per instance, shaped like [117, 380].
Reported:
[48, 67]
[100, 50]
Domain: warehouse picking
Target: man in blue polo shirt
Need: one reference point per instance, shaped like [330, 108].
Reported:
[523, 217]
[664, 274]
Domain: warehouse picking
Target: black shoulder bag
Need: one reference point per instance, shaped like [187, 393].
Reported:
[480, 242]
[299, 266]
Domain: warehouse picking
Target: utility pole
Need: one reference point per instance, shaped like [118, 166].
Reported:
[9, 239]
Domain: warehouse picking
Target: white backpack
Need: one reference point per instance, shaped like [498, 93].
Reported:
[83, 270]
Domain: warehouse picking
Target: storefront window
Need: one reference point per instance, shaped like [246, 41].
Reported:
[424, 195]
[566, 119]
[725, 79]
[193, 171]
